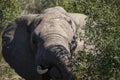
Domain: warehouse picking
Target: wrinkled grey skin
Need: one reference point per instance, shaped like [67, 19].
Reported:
[48, 40]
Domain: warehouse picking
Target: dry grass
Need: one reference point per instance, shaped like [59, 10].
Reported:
[6, 73]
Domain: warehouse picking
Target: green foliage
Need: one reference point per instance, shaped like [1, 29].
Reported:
[9, 9]
[106, 64]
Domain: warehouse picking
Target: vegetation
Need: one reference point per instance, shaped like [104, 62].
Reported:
[9, 10]
[105, 64]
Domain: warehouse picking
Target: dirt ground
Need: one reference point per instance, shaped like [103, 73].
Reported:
[6, 73]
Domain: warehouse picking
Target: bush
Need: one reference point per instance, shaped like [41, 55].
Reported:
[9, 10]
[104, 65]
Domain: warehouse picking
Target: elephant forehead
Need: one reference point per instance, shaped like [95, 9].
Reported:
[58, 8]
[55, 26]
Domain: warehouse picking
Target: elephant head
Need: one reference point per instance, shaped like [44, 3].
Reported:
[41, 46]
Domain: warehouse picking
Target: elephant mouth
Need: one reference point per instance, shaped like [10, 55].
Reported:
[58, 72]
[55, 63]
[54, 73]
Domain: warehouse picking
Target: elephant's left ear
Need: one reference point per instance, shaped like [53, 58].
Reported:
[79, 19]
[80, 22]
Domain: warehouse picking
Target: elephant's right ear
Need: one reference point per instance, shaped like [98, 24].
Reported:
[16, 48]
[22, 24]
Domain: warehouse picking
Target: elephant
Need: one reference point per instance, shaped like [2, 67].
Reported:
[42, 46]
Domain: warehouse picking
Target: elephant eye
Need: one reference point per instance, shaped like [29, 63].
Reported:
[70, 22]
[34, 41]
[37, 40]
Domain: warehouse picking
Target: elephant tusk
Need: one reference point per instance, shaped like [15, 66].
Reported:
[40, 71]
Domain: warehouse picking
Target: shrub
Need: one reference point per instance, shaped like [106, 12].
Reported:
[9, 9]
